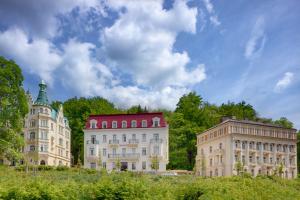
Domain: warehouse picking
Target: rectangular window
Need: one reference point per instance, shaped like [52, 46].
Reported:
[114, 151]
[133, 136]
[104, 138]
[144, 152]
[156, 136]
[133, 124]
[114, 124]
[144, 137]
[124, 124]
[124, 137]
[104, 165]
[52, 127]
[93, 139]
[133, 166]
[61, 141]
[44, 123]
[92, 153]
[144, 165]
[104, 152]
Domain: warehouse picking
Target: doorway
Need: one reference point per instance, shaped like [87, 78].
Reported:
[124, 166]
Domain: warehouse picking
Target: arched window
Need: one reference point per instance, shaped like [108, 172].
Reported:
[93, 123]
[156, 122]
[114, 124]
[133, 124]
[124, 124]
[144, 123]
[104, 124]
[42, 162]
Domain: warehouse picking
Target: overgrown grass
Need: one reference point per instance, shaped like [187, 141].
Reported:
[87, 184]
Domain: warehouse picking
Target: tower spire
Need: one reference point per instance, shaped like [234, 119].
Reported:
[42, 97]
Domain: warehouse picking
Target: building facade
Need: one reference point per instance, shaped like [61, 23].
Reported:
[46, 132]
[256, 147]
[134, 142]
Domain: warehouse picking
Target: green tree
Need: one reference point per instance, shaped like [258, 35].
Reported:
[239, 167]
[284, 122]
[13, 108]
[155, 163]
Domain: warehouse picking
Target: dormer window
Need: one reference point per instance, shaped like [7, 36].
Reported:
[93, 123]
[144, 123]
[104, 124]
[124, 124]
[114, 124]
[133, 124]
[156, 122]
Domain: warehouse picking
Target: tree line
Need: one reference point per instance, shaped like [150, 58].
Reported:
[191, 116]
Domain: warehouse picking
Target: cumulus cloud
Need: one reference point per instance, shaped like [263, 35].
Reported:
[141, 43]
[211, 11]
[284, 82]
[257, 39]
[39, 18]
[37, 56]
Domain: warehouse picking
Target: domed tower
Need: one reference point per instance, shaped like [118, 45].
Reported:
[42, 98]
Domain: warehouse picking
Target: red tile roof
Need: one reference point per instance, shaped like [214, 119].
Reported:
[128, 118]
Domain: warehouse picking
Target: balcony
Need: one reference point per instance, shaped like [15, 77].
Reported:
[155, 141]
[92, 142]
[113, 141]
[124, 156]
[133, 141]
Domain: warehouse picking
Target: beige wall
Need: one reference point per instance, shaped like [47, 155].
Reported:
[230, 131]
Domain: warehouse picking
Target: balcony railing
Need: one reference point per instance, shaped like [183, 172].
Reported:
[156, 141]
[124, 156]
[92, 142]
[113, 141]
[133, 141]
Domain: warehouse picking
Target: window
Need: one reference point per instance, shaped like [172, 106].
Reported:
[93, 124]
[144, 152]
[92, 151]
[133, 124]
[144, 138]
[93, 139]
[114, 124]
[44, 148]
[210, 149]
[104, 138]
[236, 157]
[124, 151]
[220, 146]
[32, 111]
[32, 136]
[133, 166]
[67, 154]
[114, 137]
[60, 141]
[31, 148]
[257, 159]
[144, 165]
[265, 159]
[124, 137]
[104, 124]
[44, 123]
[243, 145]
[221, 159]
[271, 160]
[133, 136]
[156, 136]
[156, 121]
[243, 159]
[104, 165]
[32, 123]
[44, 135]
[104, 152]
[258, 146]
[124, 124]
[144, 123]
[210, 162]
[156, 150]
[114, 151]
[52, 127]
[93, 165]
[216, 172]
[250, 159]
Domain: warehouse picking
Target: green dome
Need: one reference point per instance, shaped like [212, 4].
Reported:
[42, 98]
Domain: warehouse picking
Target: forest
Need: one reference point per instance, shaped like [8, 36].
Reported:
[191, 116]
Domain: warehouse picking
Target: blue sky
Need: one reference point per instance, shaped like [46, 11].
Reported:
[153, 52]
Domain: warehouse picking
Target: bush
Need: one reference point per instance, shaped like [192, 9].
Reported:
[62, 168]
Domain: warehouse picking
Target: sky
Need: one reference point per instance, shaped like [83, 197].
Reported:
[152, 52]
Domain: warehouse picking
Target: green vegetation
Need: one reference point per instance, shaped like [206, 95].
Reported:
[89, 184]
[13, 108]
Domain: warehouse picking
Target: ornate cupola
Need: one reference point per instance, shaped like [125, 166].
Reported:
[42, 98]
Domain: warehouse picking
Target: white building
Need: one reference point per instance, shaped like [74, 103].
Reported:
[46, 132]
[259, 148]
[127, 141]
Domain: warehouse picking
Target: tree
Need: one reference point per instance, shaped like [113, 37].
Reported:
[239, 167]
[13, 108]
[155, 163]
[284, 122]
[189, 106]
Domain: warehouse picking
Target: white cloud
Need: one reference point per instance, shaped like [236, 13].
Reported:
[257, 39]
[38, 56]
[39, 18]
[284, 82]
[213, 16]
[141, 43]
